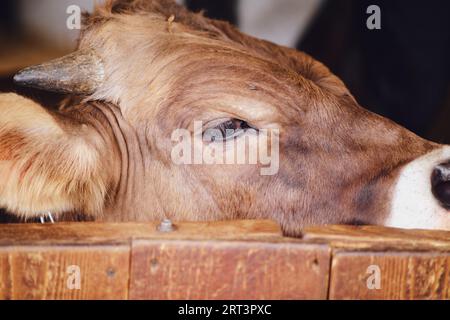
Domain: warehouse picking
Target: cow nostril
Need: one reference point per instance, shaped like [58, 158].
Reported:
[440, 183]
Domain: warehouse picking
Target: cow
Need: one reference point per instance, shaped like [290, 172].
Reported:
[146, 68]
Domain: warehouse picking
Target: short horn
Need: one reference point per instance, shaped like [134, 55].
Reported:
[81, 72]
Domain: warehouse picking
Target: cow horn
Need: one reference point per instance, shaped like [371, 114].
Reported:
[81, 72]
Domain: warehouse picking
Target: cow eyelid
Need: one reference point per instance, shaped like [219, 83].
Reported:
[225, 131]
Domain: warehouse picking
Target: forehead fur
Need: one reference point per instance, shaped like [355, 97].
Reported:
[172, 58]
[165, 8]
[299, 62]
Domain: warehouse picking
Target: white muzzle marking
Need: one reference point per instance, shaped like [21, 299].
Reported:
[413, 204]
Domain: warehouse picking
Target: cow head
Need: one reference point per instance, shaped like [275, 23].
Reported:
[145, 70]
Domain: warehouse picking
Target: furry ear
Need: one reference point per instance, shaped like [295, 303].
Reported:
[48, 164]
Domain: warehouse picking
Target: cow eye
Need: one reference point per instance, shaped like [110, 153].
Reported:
[226, 130]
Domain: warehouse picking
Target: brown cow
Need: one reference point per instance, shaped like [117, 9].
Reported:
[145, 69]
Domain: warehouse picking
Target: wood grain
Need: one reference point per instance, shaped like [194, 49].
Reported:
[404, 275]
[228, 270]
[379, 238]
[42, 272]
[123, 233]
[221, 260]
[34, 257]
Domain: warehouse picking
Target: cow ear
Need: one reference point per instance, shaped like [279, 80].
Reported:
[49, 163]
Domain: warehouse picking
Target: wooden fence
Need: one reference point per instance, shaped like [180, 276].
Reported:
[221, 260]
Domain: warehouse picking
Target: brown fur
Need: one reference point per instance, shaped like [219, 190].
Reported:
[338, 161]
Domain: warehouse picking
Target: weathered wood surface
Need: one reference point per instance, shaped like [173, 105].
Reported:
[379, 239]
[412, 264]
[34, 258]
[403, 276]
[42, 272]
[221, 260]
[228, 270]
[120, 233]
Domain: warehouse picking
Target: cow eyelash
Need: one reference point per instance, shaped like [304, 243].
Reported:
[225, 131]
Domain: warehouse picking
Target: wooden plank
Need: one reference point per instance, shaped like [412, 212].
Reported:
[228, 270]
[220, 260]
[121, 233]
[403, 275]
[34, 257]
[379, 238]
[51, 272]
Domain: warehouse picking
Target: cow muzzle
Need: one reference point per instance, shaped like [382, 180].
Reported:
[440, 183]
[421, 194]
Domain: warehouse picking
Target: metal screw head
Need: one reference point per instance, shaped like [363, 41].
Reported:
[166, 226]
